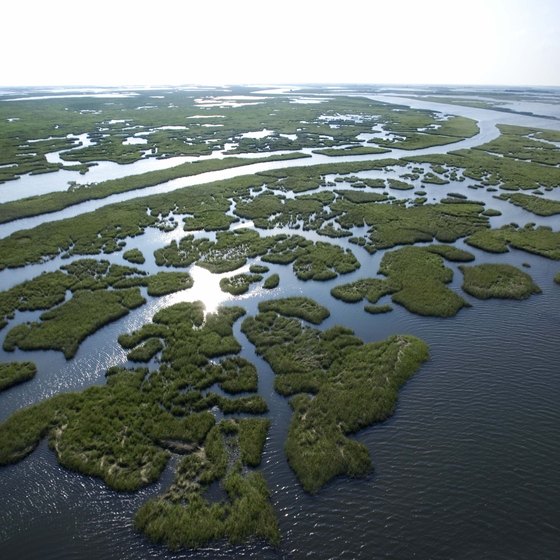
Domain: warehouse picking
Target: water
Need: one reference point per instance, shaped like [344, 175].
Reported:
[465, 469]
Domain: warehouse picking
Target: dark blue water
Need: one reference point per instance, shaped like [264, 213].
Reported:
[466, 468]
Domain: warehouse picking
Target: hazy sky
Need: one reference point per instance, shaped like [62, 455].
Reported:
[124, 42]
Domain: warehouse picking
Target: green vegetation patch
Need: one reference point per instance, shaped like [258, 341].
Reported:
[107, 292]
[54, 201]
[230, 251]
[422, 129]
[361, 197]
[491, 212]
[239, 284]
[123, 432]
[258, 269]
[433, 179]
[535, 204]
[395, 224]
[399, 185]
[134, 256]
[183, 517]
[418, 278]
[66, 326]
[145, 351]
[13, 373]
[300, 307]
[350, 151]
[371, 289]
[353, 384]
[539, 240]
[271, 282]
[377, 309]
[517, 142]
[498, 281]
[451, 253]
[496, 170]
[164, 283]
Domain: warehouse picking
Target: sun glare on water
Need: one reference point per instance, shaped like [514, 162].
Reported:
[207, 289]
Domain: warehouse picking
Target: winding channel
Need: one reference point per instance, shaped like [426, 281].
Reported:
[487, 122]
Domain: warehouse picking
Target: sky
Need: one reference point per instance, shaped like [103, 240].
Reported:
[174, 42]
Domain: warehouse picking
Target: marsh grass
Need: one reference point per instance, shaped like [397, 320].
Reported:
[535, 204]
[353, 384]
[498, 281]
[134, 256]
[301, 307]
[239, 284]
[65, 327]
[271, 282]
[14, 373]
[540, 240]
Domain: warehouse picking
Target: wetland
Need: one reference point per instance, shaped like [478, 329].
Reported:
[277, 329]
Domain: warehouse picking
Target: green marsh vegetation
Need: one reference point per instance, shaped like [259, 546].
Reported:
[65, 327]
[104, 230]
[350, 151]
[134, 256]
[300, 307]
[338, 386]
[395, 224]
[239, 284]
[230, 251]
[399, 185]
[164, 283]
[258, 269]
[432, 178]
[184, 517]
[535, 204]
[336, 383]
[271, 282]
[54, 201]
[540, 240]
[486, 281]
[124, 432]
[371, 289]
[419, 279]
[101, 293]
[49, 289]
[524, 144]
[423, 130]
[14, 373]
[172, 127]
[496, 170]
[377, 309]
[491, 212]
[416, 278]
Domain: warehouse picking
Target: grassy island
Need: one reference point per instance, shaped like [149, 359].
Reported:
[300, 307]
[338, 385]
[13, 373]
[416, 277]
[101, 293]
[540, 240]
[125, 431]
[498, 281]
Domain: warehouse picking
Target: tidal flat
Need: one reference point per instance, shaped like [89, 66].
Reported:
[293, 347]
